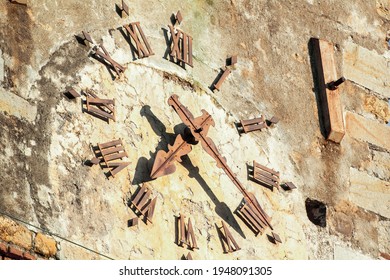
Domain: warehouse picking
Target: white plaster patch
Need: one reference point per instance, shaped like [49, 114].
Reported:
[44, 195]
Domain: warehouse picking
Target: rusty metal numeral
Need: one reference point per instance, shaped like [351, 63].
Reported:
[181, 47]
[103, 108]
[111, 151]
[225, 73]
[143, 204]
[186, 233]
[119, 69]
[138, 36]
[228, 239]
[265, 175]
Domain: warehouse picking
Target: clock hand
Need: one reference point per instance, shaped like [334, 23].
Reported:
[199, 128]
[196, 125]
[209, 146]
[164, 163]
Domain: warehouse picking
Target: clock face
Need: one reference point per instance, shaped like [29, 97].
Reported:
[85, 203]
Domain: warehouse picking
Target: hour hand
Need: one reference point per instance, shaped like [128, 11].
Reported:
[164, 164]
[184, 114]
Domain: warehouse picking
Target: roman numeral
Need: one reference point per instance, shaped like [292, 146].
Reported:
[181, 47]
[102, 108]
[227, 237]
[143, 204]
[265, 175]
[223, 77]
[143, 47]
[186, 233]
[109, 152]
[106, 56]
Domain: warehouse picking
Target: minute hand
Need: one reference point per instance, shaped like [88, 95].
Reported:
[209, 146]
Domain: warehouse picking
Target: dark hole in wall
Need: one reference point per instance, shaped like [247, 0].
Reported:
[316, 212]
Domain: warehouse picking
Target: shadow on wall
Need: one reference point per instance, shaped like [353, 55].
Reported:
[319, 86]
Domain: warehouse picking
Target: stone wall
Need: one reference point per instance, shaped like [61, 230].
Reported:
[47, 139]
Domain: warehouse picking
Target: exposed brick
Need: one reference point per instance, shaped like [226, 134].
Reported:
[15, 253]
[29, 256]
[3, 248]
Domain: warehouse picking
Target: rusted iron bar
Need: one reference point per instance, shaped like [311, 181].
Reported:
[74, 93]
[330, 101]
[87, 38]
[119, 69]
[226, 72]
[233, 60]
[335, 84]
[273, 120]
[71, 93]
[133, 222]
[385, 256]
[135, 31]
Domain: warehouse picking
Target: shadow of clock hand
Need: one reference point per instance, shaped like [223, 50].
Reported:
[222, 210]
[144, 165]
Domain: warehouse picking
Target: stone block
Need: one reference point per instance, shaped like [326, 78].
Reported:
[370, 192]
[367, 68]
[345, 253]
[14, 233]
[45, 245]
[367, 130]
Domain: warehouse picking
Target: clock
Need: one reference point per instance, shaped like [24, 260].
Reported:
[195, 132]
